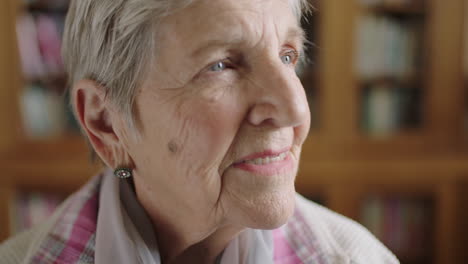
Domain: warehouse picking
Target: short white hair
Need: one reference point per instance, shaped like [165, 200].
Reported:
[113, 42]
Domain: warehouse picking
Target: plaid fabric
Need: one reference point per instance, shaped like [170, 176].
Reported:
[303, 241]
[72, 239]
[296, 242]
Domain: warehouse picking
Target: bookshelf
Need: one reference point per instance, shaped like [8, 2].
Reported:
[345, 164]
[39, 164]
[422, 162]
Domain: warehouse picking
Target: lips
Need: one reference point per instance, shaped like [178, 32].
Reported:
[267, 163]
[267, 160]
[265, 157]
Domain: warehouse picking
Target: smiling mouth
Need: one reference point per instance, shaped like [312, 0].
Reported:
[265, 157]
[266, 160]
[267, 163]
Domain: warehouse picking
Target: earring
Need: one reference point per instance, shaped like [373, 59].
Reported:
[123, 173]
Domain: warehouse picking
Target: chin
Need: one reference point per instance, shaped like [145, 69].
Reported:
[272, 210]
[259, 202]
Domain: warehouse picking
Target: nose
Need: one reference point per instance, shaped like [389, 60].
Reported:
[280, 99]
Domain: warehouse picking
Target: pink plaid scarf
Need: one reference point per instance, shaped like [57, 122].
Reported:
[73, 237]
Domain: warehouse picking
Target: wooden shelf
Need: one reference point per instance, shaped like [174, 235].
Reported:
[62, 163]
[405, 144]
[42, 7]
[55, 82]
[410, 10]
[415, 175]
[54, 175]
[66, 146]
[412, 81]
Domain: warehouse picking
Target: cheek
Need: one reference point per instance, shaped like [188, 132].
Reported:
[206, 128]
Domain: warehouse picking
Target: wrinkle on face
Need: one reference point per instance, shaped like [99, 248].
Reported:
[196, 125]
[190, 128]
[257, 33]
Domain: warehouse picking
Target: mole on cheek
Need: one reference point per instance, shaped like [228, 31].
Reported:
[173, 147]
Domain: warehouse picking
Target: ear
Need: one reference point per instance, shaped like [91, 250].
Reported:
[100, 122]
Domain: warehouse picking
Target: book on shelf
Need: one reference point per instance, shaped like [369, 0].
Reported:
[379, 112]
[44, 112]
[39, 43]
[44, 107]
[388, 65]
[401, 223]
[387, 46]
[388, 107]
[31, 208]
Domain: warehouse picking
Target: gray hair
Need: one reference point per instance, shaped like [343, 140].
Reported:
[108, 41]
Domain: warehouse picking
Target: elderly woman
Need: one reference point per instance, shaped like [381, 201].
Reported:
[196, 110]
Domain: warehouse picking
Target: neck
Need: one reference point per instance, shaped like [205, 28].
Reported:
[185, 238]
[204, 251]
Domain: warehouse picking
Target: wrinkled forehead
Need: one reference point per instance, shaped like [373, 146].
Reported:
[236, 20]
[214, 6]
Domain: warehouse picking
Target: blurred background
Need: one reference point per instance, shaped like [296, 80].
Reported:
[388, 147]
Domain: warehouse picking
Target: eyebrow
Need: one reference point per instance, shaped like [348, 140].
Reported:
[295, 33]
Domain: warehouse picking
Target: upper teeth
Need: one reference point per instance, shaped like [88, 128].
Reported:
[268, 160]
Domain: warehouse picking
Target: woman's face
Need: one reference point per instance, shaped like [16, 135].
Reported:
[223, 115]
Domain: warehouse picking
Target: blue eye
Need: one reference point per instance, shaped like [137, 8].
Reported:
[218, 67]
[286, 59]
[290, 57]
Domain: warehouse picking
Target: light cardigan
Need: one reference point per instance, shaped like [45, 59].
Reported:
[312, 235]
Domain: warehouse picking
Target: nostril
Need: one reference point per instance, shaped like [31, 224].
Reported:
[268, 121]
